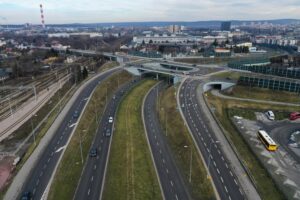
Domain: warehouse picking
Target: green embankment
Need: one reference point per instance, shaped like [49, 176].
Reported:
[70, 167]
[178, 137]
[131, 173]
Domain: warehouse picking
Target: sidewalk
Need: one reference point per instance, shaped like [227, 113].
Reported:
[241, 174]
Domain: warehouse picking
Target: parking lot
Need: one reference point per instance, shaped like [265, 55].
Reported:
[284, 164]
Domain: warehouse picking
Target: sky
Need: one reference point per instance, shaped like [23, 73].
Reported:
[93, 11]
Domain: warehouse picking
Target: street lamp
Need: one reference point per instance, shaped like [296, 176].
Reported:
[211, 142]
[33, 132]
[166, 122]
[80, 142]
[191, 160]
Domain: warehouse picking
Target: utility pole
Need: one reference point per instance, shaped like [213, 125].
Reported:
[11, 112]
[191, 162]
[33, 132]
[80, 144]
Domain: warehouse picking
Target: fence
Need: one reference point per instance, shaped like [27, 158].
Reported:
[280, 85]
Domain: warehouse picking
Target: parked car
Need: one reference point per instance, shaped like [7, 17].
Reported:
[294, 115]
[110, 120]
[93, 152]
[270, 115]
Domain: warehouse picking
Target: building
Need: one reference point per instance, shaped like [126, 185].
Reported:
[174, 28]
[221, 52]
[157, 39]
[225, 26]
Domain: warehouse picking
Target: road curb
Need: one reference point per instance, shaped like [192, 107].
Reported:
[112, 133]
[18, 183]
[145, 130]
[231, 146]
[195, 143]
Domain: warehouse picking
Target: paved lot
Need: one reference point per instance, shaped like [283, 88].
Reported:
[283, 164]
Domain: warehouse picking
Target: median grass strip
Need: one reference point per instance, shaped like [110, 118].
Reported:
[131, 173]
[224, 110]
[70, 167]
[182, 144]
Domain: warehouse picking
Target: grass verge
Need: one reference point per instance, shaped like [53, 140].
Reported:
[70, 167]
[228, 75]
[224, 110]
[263, 94]
[131, 173]
[107, 66]
[178, 137]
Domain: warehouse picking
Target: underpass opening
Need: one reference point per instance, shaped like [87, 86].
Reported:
[217, 85]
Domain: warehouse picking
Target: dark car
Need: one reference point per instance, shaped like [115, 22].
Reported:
[93, 152]
[26, 196]
[76, 114]
[108, 132]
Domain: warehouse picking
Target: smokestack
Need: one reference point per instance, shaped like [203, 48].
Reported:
[42, 16]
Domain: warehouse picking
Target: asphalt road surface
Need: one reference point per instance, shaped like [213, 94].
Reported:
[172, 183]
[220, 170]
[43, 170]
[91, 181]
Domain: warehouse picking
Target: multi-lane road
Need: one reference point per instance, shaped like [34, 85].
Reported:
[41, 173]
[92, 179]
[220, 170]
[170, 178]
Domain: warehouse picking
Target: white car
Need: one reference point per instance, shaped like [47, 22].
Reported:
[110, 120]
[270, 115]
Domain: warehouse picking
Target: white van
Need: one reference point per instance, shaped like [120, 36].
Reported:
[270, 115]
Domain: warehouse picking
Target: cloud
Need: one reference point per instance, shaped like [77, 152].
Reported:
[70, 11]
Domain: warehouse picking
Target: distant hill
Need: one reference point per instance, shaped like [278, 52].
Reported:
[199, 24]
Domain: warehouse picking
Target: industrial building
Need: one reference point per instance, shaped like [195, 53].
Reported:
[225, 26]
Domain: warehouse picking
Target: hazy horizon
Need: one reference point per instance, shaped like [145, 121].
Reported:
[84, 11]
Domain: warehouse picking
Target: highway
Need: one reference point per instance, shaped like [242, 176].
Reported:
[42, 171]
[221, 173]
[93, 176]
[170, 178]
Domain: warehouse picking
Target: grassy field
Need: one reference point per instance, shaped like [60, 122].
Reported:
[70, 168]
[131, 173]
[107, 66]
[264, 94]
[228, 75]
[178, 136]
[224, 110]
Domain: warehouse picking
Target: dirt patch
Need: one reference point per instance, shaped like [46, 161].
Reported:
[6, 168]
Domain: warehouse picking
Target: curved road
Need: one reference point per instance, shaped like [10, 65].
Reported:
[92, 179]
[218, 165]
[171, 181]
[41, 173]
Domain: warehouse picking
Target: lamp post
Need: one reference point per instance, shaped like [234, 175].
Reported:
[191, 161]
[80, 142]
[212, 142]
[33, 132]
